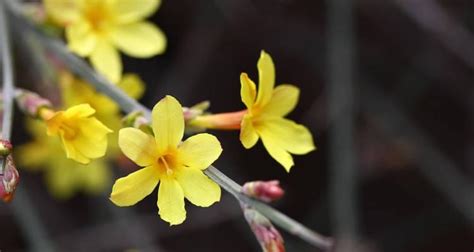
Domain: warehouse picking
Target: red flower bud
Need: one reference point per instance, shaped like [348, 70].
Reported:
[267, 235]
[8, 180]
[266, 191]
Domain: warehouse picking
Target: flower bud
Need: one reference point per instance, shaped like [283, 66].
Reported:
[30, 103]
[5, 147]
[8, 180]
[266, 191]
[196, 110]
[267, 235]
[137, 120]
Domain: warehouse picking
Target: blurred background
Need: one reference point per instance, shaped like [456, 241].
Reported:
[386, 90]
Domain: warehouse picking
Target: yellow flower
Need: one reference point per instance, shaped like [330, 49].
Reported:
[265, 115]
[177, 166]
[97, 28]
[75, 91]
[83, 136]
[64, 177]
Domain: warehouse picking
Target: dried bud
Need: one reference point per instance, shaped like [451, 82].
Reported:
[267, 235]
[5, 148]
[266, 191]
[9, 180]
[30, 103]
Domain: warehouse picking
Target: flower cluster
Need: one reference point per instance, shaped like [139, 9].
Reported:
[79, 131]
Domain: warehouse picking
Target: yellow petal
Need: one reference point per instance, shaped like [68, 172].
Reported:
[168, 123]
[132, 85]
[106, 60]
[200, 151]
[81, 39]
[81, 110]
[91, 140]
[248, 134]
[63, 12]
[197, 187]
[73, 153]
[32, 155]
[293, 137]
[141, 40]
[132, 10]
[277, 152]
[90, 147]
[129, 190]
[171, 202]
[93, 129]
[138, 146]
[283, 101]
[248, 90]
[95, 178]
[61, 180]
[266, 79]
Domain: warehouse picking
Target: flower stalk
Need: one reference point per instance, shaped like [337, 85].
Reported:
[31, 103]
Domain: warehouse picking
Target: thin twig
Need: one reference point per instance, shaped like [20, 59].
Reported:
[22, 208]
[430, 16]
[128, 104]
[341, 110]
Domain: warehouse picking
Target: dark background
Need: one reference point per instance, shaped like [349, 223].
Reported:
[399, 154]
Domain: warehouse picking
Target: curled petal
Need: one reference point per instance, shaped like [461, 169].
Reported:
[171, 202]
[200, 151]
[81, 110]
[248, 134]
[73, 153]
[92, 139]
[248, 91]
[198, 188]
[129, 190]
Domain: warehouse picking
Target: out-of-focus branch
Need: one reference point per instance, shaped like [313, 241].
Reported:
[21, 206]
[429, 15]
[80, 67]
[342, 161]
[433, 164]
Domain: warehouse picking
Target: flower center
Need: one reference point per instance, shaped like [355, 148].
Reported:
[69, 132]
[98, 16]
[167, 164]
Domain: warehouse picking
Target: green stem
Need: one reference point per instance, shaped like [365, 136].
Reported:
[82, 69]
